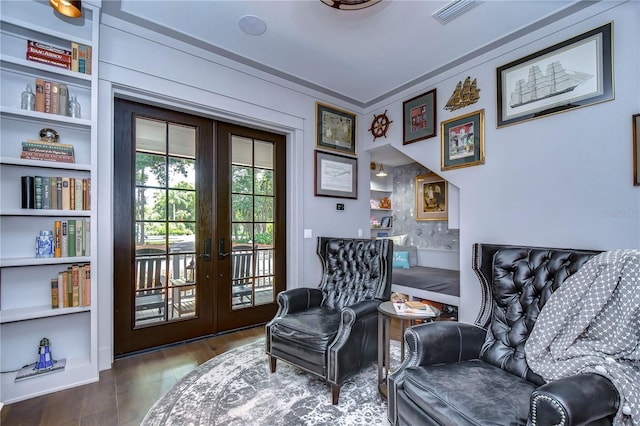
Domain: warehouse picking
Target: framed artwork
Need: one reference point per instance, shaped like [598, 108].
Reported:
[335, 129]
[462, 141]
[336, 175]
[419, 117]
[431, 197]
[636, 149]
[575, 73]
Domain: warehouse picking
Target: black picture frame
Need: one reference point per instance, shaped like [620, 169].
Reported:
[419, 118]
[335, 129]
[336, 175]
[575, 73]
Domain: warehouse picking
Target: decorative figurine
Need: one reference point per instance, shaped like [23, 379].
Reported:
[385, 203]
[45, 361]
[49, 135]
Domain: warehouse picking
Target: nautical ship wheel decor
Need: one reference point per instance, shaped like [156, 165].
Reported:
[463, 95]
[380, 125]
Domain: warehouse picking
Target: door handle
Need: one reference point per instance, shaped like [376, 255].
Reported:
[221, 253]
[207, 250]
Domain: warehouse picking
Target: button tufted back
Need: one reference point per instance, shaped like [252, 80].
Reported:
[520, 281]
[354, 270]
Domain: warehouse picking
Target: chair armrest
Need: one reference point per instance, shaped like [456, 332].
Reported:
[298, 299]
[433, 343]
[442, 342]
[574, 400]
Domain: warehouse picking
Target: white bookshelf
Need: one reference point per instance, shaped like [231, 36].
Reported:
[26, 315]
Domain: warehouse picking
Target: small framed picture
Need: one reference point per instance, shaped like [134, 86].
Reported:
[336, 175]
[431, 197]
[462, 141]
[419, 117]
[636, 149]
[335, 129]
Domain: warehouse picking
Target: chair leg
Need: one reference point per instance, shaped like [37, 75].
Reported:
[335, 393]
[272, 364]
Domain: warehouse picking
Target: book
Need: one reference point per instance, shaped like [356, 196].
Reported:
[53, 192]
[71, 240]
[46, 193]
[64, 99]
[87, 195]
[414, 304]
[36, 145]
[72, 193]
[61, 291]
[79, 237]
[88, 60]
[47, 156]
[57, 238]
[28, 200]
[52, 52]
[54, 293]
[62, 285]
[79, 195]
[86, 292]
[47, 96]
[69, 277]
[55, 97]
[40, 94]
[82, 58]
[45, 60]
[66, 194]
[75, 282]
[37, 191]
[65, 239]
[59, 192]
[74, 56]
[86, 243]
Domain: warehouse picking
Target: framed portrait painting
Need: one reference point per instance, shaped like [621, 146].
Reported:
[419, 118]
[575, 73]
[431, 197]
[336, 175]
[462, 141]
[335, 129]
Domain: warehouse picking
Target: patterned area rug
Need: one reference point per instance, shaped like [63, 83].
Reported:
[236, 388]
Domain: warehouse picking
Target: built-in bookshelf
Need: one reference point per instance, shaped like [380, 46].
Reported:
[27, 314]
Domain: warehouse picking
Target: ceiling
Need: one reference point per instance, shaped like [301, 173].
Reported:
[359, 56]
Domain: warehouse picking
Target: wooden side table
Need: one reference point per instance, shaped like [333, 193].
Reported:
[386, 312]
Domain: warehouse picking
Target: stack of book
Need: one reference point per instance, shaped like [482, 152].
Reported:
[72, 287]
[78, 58]
[56, 193]
[50, 151]
[71, 238]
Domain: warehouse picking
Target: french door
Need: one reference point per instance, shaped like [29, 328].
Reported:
[198, 226]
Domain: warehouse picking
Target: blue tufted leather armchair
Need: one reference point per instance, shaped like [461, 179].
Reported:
[476, 374]
[331, 331]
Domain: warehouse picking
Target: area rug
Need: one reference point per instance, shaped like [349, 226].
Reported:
[236, 388]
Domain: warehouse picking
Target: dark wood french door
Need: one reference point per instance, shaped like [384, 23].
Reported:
[198, 226]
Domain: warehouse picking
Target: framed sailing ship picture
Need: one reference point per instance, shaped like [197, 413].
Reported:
[575, 73]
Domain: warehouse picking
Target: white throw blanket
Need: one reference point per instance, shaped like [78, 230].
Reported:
[592, 324]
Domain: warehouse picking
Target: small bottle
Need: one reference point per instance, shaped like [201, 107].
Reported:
[28, 99]
[74, 108]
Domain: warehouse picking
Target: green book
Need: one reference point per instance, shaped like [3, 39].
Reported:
[71, 231]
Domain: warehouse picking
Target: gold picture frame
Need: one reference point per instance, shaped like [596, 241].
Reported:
[431, 197]
[335, 129]
[462, 141]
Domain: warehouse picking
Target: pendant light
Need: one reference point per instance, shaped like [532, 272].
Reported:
[381, 172]
[72, 9]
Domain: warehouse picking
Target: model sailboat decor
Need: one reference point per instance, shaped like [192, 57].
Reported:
[464, 94]
[44, 365]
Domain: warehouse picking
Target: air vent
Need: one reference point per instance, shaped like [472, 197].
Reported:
[453, 10]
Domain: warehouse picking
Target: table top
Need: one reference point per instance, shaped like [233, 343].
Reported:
[387, 309]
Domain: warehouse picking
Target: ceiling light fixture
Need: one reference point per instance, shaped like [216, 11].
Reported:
[252, 25]
[350, 4]
[381, 172]
[72, 9]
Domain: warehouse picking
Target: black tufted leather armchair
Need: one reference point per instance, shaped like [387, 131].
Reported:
[463, 374]
[331, 331]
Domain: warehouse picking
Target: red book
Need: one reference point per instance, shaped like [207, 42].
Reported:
[52, 52]
[45, 60]
[46, 156]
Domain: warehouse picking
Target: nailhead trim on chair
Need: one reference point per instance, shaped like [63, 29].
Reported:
[558, 407]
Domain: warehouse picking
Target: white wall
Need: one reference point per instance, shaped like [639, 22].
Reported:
[555, 181]
[559, 181]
